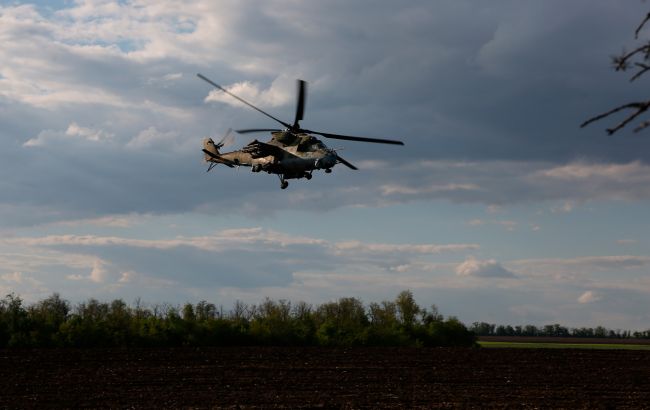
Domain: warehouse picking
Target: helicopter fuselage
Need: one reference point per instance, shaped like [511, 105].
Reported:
[289, 155]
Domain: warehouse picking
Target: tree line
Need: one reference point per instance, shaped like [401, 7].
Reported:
[54, 322]
[555, 330]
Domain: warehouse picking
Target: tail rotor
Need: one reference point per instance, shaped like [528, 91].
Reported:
[227, 140]
[211, 152]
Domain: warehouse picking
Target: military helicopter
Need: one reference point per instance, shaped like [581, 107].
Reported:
[292, 153]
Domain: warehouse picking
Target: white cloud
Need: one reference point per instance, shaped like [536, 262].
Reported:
[132, 278]
[166, 80]
[278, 94]
[113, 221]
[356, 247]
[484, 269]
[238, 238]
[589, 296]
[510, 182]
[582, 171]
[151, 137]
[74, 131]
[508, 225]
[597, 262]
[404, 190]
[13, 277]
[99, 273]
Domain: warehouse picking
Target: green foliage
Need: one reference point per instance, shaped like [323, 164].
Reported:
[15, 321]
[342, 323]
[555, 330]
[346, 322]
[407, 308]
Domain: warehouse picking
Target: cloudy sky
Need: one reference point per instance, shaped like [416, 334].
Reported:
[499, 207]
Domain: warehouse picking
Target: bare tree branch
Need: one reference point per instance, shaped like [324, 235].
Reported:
[644, 69]
[623, 63]
[640, 108]
[638, 29]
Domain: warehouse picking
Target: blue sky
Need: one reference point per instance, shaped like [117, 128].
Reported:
[498, 208]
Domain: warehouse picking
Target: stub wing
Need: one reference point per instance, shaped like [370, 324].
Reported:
[258, 149]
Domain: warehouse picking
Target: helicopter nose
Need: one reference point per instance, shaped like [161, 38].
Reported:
[326, 162]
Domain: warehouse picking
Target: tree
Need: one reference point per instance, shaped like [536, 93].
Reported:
[385, 327]
[483, 329]
[342, 323]
[47, 316]
[407, 308]
[638, 59]
[14, 322]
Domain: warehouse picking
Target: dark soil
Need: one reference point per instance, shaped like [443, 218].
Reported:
[320, 377]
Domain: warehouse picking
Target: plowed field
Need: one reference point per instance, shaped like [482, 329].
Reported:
[319, 377]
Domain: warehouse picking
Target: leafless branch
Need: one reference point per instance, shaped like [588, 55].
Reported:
[624, 62]
[638, 29]
[643, 70]
[640, 108]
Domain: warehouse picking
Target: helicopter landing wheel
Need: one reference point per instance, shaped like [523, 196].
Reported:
[307, 175]
[328, 171]
[284, 184]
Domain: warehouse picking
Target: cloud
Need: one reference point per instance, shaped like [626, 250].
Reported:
[401, 190]
[589, 296]
[591, 263]
[166, 80]
[13, 277]
[276, 95]
[509, 225]
[99, 272]
[114, 221]
[243, 257]
[483, 269]
[356, 247]
[500, 183]
[152, 138]
[123, 78]
[73, 131]
[628, 181]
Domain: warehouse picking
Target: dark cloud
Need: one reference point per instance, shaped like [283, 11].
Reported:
[501, 85]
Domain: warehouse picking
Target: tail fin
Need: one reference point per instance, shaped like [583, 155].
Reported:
[210, 150]
[212, 155]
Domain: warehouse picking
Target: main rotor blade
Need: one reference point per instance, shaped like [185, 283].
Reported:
[300, 107]
[227, 139]
[248, 131]
[351, 138]
[202, 77]
[346, 163]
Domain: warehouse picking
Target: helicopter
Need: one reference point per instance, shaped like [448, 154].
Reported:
[292, 152]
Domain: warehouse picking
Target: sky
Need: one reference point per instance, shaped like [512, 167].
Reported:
[498, 208]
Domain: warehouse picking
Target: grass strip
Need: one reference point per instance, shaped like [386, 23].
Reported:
[536, 345]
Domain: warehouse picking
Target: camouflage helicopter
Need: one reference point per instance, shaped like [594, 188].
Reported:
[292, 153]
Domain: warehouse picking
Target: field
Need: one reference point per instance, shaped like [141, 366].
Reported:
[322, 377]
